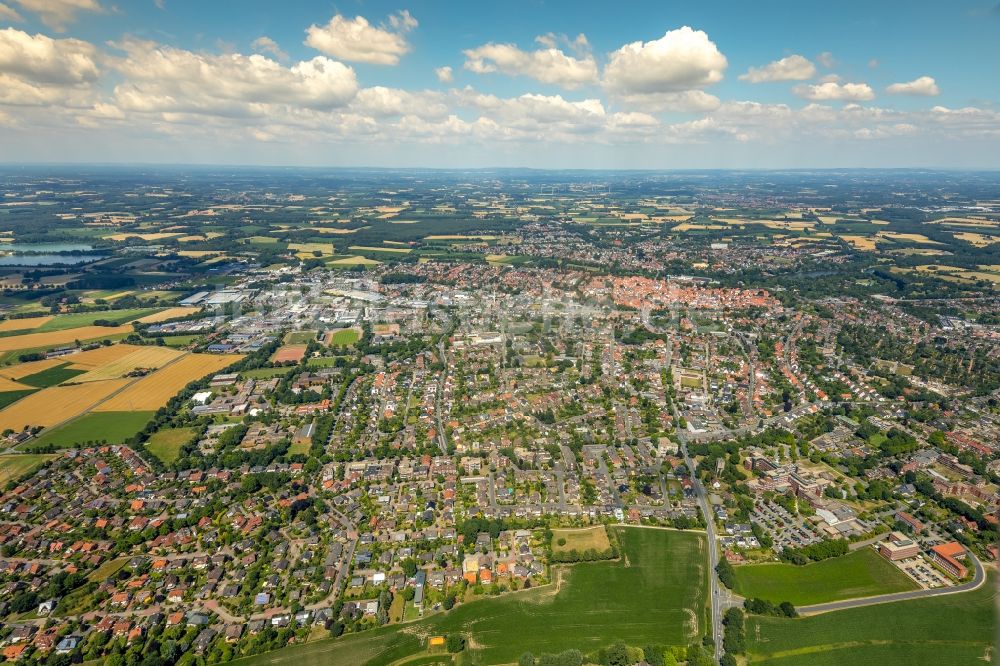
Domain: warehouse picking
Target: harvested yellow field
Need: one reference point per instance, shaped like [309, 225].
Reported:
[786, 225]
[169, 313]
[197, 254]
[23, 324]
[95, 358]
[353, 261]
[10, 385]
[307, 249]
[145, 237]
[142, 357]
[913, 238]
[56, 404]
[362, 248]
[24, 369]
[687, 226]
[153, 391]
[865, 243]
[979, 240]
[56, 338]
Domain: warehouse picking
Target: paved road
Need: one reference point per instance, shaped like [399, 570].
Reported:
[975, 583]
[713, 555]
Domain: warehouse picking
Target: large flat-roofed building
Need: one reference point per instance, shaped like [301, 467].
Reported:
[898, 547]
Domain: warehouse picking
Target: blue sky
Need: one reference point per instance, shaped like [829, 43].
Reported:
[554, 84]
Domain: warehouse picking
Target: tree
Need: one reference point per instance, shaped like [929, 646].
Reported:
[454, 642]
[653, 654]
[527, 659]
[617, 655]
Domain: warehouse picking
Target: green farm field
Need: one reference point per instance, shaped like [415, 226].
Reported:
[106, 427]
[863, 573]
[950, 629]
[656, 593]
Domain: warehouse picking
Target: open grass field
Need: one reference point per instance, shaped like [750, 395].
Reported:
[581, 539]
[95, 427]
[345, 336]
[154, 390]
[56, 404]
[135, 356]
[299, 337]
[17, 465]
[285, 353]
[656, 593]
[951, 629]
[106, 570]
[61, 337]
[863, 573]
[166, 444]
[57, 374]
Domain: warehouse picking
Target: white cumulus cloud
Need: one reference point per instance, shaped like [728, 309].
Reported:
[57, 14]
[166, 79]
[682, 59]
[924, 86]
[832, 90]
[357, 40]
[790, 68]
[265, 44]
[548, 65]
[444, 74]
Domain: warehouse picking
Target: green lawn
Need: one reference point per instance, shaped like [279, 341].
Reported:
[51, 376]
[17, 465]
[655, 594]
[166, 444]
[862, 573]
[95, 427]
[951, 629]
[106, 570]
[346, 336]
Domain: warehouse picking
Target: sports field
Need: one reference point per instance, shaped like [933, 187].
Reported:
[863, 573]
[166, 444]
[951, 629]
[345, 336]
[95, 427]
[155, 390]
[16, 466]
[285, 353]
[656, 593]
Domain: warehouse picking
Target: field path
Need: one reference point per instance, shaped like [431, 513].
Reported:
[111, 395]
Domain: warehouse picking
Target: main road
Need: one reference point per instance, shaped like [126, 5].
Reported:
[713, 555]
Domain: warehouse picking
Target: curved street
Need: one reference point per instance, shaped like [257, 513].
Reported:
[978, 579]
